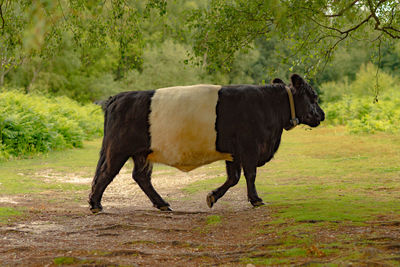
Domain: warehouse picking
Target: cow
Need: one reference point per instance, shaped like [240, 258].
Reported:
[190, 126]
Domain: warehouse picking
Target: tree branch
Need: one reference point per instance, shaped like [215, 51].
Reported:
[329, 52]
[1, 15]
[13, 64]
[341, 12]
[341, 31]
[377, 87]
[385, 29]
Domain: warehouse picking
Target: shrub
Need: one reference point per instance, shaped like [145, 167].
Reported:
[32, 124]
[353, 104]
[361, 114]
[365, 81]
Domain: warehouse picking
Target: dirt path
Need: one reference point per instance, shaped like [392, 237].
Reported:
[132, 233]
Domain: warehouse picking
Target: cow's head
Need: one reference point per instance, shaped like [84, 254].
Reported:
[305, 100]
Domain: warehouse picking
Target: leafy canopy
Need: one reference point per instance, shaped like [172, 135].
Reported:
[40, 28]
[312, 30]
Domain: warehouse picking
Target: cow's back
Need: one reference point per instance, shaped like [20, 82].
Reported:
[182, 126]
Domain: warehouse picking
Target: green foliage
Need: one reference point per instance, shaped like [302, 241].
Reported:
[335, 90]
[79, 43]
[311, 30]
[163, 67]
[68, 73]
[88, 50]
[36, 124]
[347, 62]
[370, 81]
[361, 114]
[353, 104]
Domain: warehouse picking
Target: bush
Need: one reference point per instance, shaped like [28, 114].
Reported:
[365, 81]
[32, 124]
[362, 115]
[353, 105]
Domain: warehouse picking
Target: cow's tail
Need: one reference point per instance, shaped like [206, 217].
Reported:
[105, 106]
[102, 161]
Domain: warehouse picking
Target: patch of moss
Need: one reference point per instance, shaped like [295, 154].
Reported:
[7, 213]
[213, 219]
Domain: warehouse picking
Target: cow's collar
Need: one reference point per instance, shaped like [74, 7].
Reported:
[293, 121]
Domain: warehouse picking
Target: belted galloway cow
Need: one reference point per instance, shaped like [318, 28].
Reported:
[190, 126]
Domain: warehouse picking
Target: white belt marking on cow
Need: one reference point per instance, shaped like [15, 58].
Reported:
[182, 126]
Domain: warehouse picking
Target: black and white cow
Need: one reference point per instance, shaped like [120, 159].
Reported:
[189, 126]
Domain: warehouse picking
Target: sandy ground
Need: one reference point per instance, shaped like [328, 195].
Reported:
[130, 232]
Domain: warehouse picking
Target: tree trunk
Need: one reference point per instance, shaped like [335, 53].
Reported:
[36, 72]
[2, 79]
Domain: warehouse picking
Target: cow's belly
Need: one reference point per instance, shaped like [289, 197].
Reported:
[182, 126]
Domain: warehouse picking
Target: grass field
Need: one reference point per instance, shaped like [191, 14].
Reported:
[330, 195]
[328, 175]
[327, 181]
[22, 177]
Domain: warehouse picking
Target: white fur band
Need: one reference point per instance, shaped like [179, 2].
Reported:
[182, 126]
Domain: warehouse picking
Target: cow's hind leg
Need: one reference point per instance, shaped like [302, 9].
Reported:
[233, 172]
[142, 175]
[105, 173]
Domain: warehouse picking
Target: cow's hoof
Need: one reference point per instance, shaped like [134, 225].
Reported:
[165, 208]
[210, 200]
[257, 203]
[96, 209]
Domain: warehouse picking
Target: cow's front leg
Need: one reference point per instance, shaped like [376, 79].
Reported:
[233, 172]
[142, 175]
[250, 173]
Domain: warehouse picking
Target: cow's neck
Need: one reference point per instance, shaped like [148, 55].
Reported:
[283, 111]
[294, 121]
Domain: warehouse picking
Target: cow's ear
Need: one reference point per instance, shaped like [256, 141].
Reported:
[277, 80]
[297, 81]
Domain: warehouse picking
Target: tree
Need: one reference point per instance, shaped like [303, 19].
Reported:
[11, 46]
[37, 29]
[312, 30]
[80, 47]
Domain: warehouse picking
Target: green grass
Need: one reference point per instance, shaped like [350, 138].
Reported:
[322, 180]
[20, 177]
[210, 223]
[327, 175]
[213, 219]
[7, 213]
[265, 261]
[205, 185]
[64, 260]
[74, 261]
